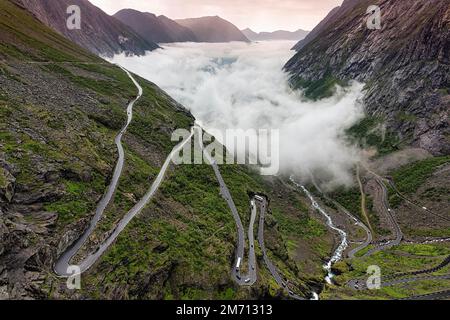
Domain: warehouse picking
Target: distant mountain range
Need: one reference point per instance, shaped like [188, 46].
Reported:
[128, 31]
[153, 28]
[161, 29]
[213, 29]
[99, 33]
[275, 35]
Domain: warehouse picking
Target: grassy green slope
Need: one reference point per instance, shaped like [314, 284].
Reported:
[182, 245]
[393, 261]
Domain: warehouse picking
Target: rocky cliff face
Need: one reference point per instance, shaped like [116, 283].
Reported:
[99, 33]
[155, 29]
[317, 30]
[405, 65]
[213, 29]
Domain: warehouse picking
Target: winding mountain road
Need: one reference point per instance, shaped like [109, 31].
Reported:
[62, 264]
[352, 253]
[273, 270]
[441, 295]
[251, 277]
[91, 259]
[392, 221]
[404, 277]
[417, 206]
[363, 197]
[360, 284]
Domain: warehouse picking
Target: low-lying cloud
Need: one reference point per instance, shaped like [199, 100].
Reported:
[242, 86]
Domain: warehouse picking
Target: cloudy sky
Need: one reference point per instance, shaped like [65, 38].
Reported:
[260, 15]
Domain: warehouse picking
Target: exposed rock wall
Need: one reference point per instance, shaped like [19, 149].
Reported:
[405, 65]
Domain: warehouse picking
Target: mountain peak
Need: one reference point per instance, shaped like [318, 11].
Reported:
[100, 33]
[213, 29]
[159, 29]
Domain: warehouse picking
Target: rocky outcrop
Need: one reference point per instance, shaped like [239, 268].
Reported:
[155, 29]
[213, 29]
[7, 185]
[405, 65]
[99, 33]
[334, 15]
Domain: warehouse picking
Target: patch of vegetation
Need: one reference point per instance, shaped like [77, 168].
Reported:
[104, 87]
[3, 98]
[78, 200]
[69, 210]
[410, 177]
[406, 117]
[156, 117]
[227, 294]
[9, 50]
[426, 250]
[303, 226]
[408, 257]
[369, 132]
[319, 89]
[349, 199]
[444, 91]
[427, 232]
[436, 194]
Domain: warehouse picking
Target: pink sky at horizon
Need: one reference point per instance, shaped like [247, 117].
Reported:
[266, 15]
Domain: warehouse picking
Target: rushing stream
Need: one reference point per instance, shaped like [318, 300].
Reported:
[338, 253]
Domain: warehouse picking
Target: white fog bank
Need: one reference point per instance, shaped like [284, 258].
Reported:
[242, 86]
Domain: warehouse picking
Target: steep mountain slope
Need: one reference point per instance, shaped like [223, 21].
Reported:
[60, 110]
[250, 34]
[405, 66]
[335, 14]
[213, 29]
[177, 32]
[275, 35]
[156, 29]
[317, 30]
[99, 33]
